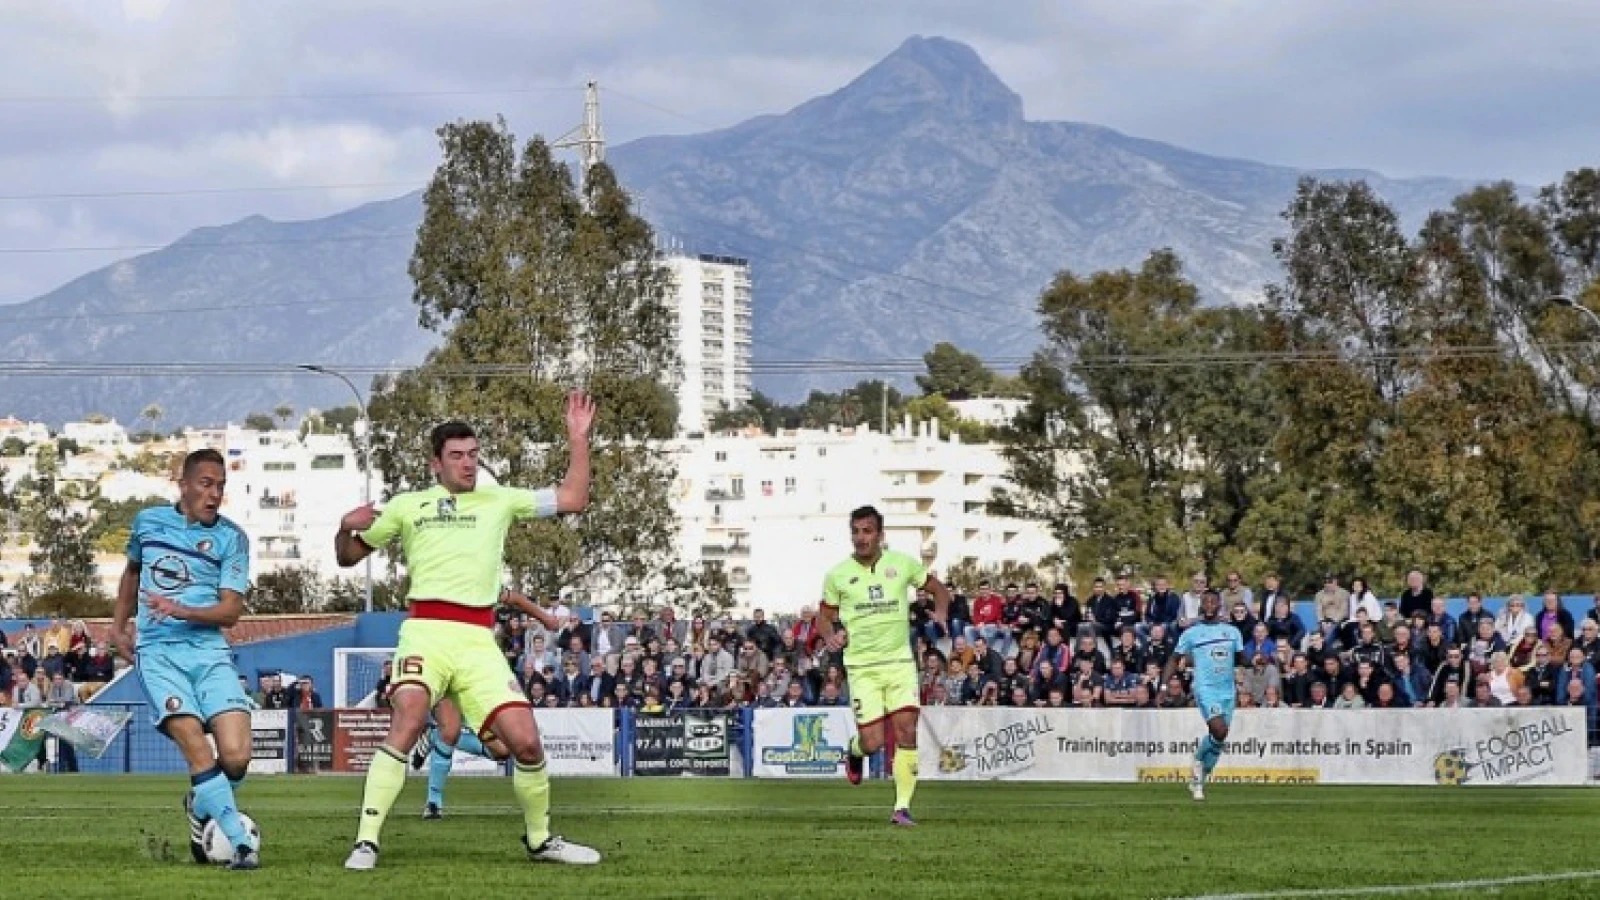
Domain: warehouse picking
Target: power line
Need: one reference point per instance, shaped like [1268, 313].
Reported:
[201, 245]
[903, 365]
[186, 192]
[179, 310]
[255, 97]
[650, 104]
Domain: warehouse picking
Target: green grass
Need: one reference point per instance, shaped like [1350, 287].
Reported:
[71, 836]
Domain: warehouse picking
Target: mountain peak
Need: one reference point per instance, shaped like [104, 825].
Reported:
[925, 77]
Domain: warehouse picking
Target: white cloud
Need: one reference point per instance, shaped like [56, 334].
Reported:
[1455, 87]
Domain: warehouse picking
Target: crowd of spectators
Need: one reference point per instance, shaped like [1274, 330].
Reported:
[664, 663]
[1018, 647]
[56, 666]
[1021, 646]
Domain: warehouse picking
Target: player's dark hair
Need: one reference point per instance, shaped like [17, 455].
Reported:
[867, 512]
[207, 455]
[449, 431]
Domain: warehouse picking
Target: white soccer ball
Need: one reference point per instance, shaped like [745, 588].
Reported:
[218, 850]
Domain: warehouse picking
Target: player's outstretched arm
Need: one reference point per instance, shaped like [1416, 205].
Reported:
[524, 603]
[941, 599]
[349, 549]
[833, 638]
[572, 495]
[122, 612]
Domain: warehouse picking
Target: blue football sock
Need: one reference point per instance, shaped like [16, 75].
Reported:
[438, 770]
[1213, 753]
[213, 799]
[469, 743]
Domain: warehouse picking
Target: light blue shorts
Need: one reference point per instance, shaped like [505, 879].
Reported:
[182, 680]
[1216, 707]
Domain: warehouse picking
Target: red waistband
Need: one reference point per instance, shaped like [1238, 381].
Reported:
[444, 610]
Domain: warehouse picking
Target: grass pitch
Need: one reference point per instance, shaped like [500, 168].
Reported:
[67, 836]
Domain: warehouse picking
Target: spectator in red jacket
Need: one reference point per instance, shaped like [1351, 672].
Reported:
[988, 608]
[805, 630]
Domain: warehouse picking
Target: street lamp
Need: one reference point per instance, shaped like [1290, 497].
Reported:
[363, 434]
[1568, 302]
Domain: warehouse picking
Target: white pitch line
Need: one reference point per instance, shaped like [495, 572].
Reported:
[1392, 889]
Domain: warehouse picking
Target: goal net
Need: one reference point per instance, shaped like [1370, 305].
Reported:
[356, 671]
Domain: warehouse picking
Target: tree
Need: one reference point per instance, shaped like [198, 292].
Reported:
[283, 412]
[955, 374]
[67, 604]
[288, 591]
[63, 556]
[339, 420]
[1136, 466]
[259, 422]
[113, 520]
[13, 446]
[541, 289]
[151, 414]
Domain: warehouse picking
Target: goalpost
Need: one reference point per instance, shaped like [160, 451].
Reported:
[356, 671]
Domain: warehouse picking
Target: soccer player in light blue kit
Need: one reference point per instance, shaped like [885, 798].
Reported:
[1213, 648]
[190, 567]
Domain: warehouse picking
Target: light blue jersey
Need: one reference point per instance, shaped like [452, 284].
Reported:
[1212, 648]
[188, 562]
[187, 669]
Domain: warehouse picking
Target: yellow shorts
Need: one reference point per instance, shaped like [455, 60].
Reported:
[459, 662]
[877, 692]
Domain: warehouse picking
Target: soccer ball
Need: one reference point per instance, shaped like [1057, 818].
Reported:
[218, 850]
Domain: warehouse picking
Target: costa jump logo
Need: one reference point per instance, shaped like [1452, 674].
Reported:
[809, 752]
[1518, 754]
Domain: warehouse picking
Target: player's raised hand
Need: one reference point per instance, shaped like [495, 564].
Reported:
[359, 519]
[837, 640]
[580, 414]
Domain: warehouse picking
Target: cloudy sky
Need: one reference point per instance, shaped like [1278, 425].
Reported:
[125, 123]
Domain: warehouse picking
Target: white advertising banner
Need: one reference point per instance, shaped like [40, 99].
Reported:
[578, 741]
[269, 741]
[801, 743]
[1535, 745]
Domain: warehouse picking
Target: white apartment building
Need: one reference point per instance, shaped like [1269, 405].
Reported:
[992, 411]
[773, 511]
[711, 306]
[106, 437]
[27, 432]
[287, 492]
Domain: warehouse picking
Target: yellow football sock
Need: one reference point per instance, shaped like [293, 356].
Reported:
[385, 777]
[532, 786]
[905, 776]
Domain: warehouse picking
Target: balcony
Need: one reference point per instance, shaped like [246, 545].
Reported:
[282, 501]
[719, 551]
[292, 551]
[718, 494]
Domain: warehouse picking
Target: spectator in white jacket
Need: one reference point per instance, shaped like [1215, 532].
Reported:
[716, 665]
[1514, 619]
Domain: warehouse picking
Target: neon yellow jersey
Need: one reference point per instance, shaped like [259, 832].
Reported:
[874, 606]
[455, 543]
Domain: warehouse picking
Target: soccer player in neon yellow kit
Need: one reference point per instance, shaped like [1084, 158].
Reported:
[444, 736]
[454, 537]
[870, 595]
